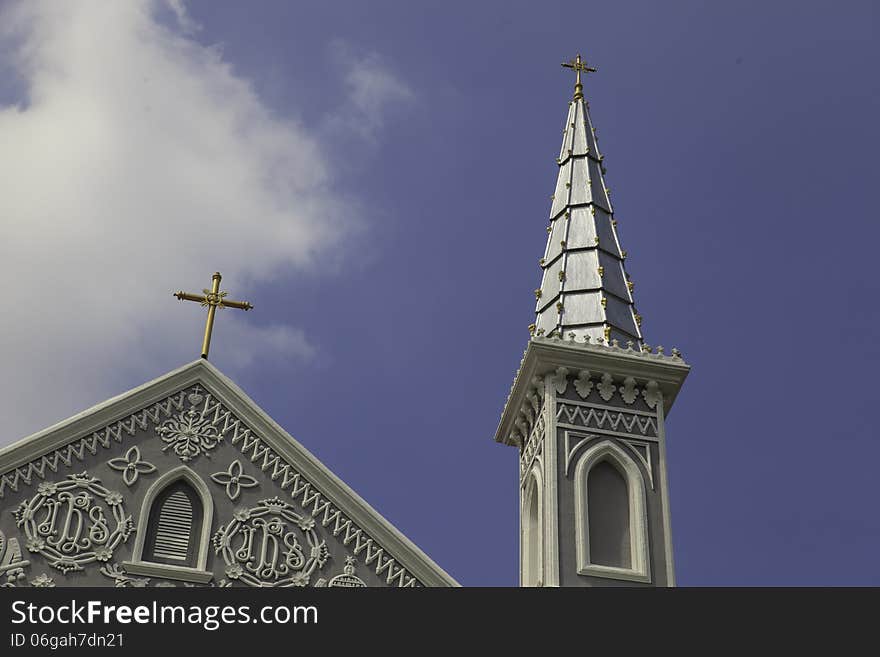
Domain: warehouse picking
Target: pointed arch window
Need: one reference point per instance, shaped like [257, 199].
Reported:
[532, 527]
[175, 516]
[174, 529]
[611, 515]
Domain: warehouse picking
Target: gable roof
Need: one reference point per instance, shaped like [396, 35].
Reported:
[332, 503]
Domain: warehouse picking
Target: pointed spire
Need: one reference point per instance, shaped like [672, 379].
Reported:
[585, 289]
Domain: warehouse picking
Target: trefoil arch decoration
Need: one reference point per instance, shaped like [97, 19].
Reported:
[175, 521]
[606, 451]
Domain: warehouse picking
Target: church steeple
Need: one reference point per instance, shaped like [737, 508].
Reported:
[585, 289]
[588, 406]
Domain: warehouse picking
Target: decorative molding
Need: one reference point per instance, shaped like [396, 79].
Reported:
[582, 384]
[628, 390]
[611, 420]
[644, 457]
[261, 546]
[640, 571]
[575, 442]
[234, 480]
[167, 571]
[272, 454]
[606, 388]
[533, 446]
[68, 454]
[122, 579]
[67, 522]
[560, 380]
[548, 353]
[550, 493]
[189, 434]
[652, 394]
[131, 466]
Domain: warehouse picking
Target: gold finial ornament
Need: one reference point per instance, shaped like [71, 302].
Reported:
[213, 299]
[607, 333]
[579, 66]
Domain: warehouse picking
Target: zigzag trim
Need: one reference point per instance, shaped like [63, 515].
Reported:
[309, 497]
[77, 449]
[644, 424]
[251, 446]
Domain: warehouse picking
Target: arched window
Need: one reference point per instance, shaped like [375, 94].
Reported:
[611, 514]
[175, 520]
[532, 531]
[608, 511]
[175, 528]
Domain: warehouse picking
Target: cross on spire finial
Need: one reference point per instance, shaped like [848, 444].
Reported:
[579, 65]
[213, 299]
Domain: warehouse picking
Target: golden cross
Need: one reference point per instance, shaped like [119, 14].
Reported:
[579, 65]
[213, 299]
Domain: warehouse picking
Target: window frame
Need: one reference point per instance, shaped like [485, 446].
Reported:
[197, 574]
[608, 451]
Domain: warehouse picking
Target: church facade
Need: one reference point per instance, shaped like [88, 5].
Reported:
[185, 481]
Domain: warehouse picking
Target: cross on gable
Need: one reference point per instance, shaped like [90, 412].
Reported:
[213, 299]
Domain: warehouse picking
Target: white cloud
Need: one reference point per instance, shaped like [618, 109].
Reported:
[373, 91]
[137, 165]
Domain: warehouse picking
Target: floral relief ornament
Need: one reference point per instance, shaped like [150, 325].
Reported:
[234, 480]
[74, 522]
[606, 387]
[131, 466]
[43, 581]
[189, 434]
[628, 390]
[652, 394]
[582, 384]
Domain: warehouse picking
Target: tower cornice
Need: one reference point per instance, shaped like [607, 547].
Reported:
[546, 355]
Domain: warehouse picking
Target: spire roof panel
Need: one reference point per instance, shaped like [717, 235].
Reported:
[585, 289]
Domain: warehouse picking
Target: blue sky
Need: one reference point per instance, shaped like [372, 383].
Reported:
[375, 179]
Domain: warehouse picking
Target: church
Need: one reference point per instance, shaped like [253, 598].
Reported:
[185, 481]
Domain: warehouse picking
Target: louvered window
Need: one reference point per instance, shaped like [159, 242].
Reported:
[174, 526]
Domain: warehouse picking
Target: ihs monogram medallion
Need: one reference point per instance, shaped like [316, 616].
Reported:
[262, 546]
[74, 522]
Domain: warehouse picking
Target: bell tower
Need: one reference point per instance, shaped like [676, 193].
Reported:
[588, 405]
